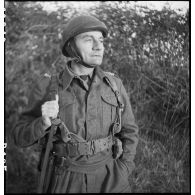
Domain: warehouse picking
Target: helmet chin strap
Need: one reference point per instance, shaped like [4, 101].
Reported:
[75, 54]
[79, 61]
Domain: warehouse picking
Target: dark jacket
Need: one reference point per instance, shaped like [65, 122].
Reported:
[89, 114]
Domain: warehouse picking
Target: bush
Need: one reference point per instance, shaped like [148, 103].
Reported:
[148, 49]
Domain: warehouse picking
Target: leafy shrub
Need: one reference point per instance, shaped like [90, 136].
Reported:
[148, 49]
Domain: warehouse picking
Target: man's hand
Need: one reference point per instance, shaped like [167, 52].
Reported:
[49, 111]
[118, 149]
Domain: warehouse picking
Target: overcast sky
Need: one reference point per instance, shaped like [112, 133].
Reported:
[83, 5]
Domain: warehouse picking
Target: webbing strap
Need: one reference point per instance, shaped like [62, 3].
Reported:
[117, 123]
[91, 147]
[114, 87]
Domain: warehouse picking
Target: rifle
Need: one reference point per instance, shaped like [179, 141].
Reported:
[55, 123]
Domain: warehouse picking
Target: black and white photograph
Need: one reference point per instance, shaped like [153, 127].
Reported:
[97, 97]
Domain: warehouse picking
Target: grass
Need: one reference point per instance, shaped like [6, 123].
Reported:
[159, 169]
[26, 183]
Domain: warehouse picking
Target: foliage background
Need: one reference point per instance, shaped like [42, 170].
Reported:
[147, 48]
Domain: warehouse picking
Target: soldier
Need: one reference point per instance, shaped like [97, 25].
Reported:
[94, 142]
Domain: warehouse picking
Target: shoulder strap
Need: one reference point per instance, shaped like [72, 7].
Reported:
[112, 83]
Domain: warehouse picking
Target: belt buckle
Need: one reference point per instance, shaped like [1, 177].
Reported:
[71, 149]
[97, 147]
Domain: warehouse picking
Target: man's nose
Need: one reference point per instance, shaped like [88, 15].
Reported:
[97, 45]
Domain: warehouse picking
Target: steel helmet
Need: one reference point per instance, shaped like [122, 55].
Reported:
[80, 24]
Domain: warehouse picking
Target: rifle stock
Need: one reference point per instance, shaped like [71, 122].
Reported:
[46, 159]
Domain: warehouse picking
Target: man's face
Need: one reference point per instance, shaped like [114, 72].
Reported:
[90, 46]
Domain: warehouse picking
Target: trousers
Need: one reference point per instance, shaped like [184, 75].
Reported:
[112, 177]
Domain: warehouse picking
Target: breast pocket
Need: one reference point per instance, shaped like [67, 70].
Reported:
[108, 106]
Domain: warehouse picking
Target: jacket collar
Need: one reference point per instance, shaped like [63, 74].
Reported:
[66, 76]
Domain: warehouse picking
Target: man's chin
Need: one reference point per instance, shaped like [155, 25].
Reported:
[94, 64]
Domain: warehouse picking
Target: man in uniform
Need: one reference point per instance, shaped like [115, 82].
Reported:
[95, 141]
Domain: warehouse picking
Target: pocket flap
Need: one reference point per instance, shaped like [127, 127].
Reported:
[110, 99]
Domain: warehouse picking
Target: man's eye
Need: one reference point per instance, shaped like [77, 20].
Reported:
[88, 39]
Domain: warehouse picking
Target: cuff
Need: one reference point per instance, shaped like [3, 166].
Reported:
[39, 128]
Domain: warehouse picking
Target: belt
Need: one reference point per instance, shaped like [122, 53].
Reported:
[72, 149]
[63, 163]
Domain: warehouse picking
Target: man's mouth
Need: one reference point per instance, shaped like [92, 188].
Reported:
[96, 56]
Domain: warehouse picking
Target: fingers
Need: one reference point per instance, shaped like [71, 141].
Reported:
[119, 148]
[49, 113]
[46, 122]
[51, 104]
[50, 109]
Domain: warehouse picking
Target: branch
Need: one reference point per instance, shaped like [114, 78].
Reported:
[37, 26]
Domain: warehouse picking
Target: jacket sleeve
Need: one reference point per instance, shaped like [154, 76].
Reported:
[129, 131]
[29, 127]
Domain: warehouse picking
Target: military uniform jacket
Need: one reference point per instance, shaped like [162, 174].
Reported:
[89, 114]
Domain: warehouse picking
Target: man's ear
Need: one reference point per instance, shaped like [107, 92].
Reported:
[75, 49]
[71, 48]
